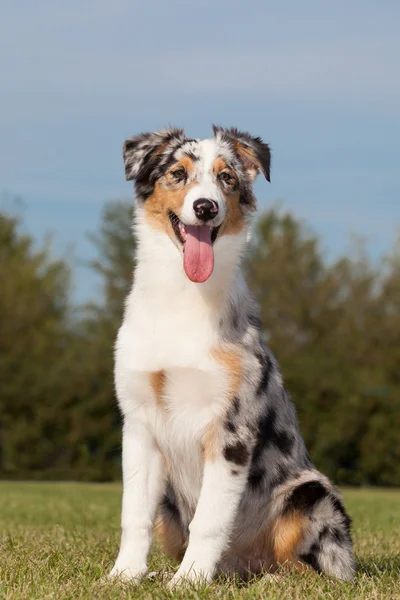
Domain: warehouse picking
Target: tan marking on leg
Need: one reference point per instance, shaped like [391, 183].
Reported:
[287, 533]
[157, 381]
[230, 359]
[211, 441]
[169, 536]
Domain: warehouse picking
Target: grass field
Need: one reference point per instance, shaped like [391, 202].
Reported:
[59, 540]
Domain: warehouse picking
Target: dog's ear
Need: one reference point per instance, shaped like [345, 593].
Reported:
[252, 151]
[140, 152]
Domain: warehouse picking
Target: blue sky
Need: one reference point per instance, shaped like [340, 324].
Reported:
[319, 81]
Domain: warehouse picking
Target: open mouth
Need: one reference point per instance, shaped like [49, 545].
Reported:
[197, 242]
[180, 229]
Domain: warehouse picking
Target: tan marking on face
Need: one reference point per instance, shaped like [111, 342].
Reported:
[211, 441]
[164, 200]
[287, 534]
[169, 536]
[187, 163]
[157, 382]
[234, 221]
[230, 359]
[220, 165]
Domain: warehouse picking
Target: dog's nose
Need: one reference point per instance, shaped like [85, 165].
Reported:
[205, 209]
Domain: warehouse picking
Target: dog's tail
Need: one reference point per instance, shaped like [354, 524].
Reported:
[313, 529]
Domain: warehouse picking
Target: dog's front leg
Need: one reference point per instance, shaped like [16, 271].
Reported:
[142, 489]
[224, 481]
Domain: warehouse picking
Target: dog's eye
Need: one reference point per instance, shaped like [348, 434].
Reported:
[179, 174]
[225, 177]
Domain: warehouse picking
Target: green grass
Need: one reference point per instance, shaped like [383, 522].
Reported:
[59, 540]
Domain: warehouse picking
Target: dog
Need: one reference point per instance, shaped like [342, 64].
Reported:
[213, 460]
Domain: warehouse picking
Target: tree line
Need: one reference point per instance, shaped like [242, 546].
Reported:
[333, 326]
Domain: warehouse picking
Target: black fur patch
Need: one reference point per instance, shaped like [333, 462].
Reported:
[333, 533]
[237, 453]
[306, 496]
[310, 558]
[148, 175]
[256, 478]
[230, 426]
[268, 435]
[265, 431]
[246, 197]
[280, 477]
[338, 505]
[235, 320]
[236, 405]
[192, 155]
[169, 159]
[324, 533]
[232, 412]
[254, 321]
[169, 504]
[283, 441]
[266, 369]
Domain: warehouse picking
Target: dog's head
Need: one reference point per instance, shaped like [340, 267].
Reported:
[196, 191]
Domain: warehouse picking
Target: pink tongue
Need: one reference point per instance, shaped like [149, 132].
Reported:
[198, 259]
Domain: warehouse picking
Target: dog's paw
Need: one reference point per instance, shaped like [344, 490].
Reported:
[129, 573]
[190, 578]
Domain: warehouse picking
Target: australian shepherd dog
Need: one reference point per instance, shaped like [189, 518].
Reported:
[214, 464]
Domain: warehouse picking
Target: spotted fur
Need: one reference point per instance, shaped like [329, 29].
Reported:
[212, 451]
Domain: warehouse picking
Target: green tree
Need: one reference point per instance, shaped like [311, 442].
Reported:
[34, 350]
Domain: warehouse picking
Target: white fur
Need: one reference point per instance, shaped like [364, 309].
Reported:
[206, 188]
[171, 324]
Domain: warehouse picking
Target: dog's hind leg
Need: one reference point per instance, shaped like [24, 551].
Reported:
[313, 529]
[168, 529]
